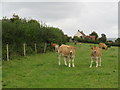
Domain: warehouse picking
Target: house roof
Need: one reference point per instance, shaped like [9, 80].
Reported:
[78, 34]
[81, 33]
[92, 36]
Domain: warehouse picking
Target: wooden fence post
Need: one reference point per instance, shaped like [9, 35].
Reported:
[45, 47]
[35, 48]
[24, 49]
[7, 52]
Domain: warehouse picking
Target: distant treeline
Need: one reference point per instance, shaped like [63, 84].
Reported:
[103, 39]
[16, 31]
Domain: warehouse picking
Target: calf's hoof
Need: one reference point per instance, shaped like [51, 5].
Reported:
[90, 66]
[73, 65]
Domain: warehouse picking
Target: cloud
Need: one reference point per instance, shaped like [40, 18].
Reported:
[101, 17]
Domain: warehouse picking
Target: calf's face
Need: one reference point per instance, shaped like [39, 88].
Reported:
[94, 50]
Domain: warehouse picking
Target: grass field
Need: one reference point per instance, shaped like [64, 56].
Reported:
[42, 71]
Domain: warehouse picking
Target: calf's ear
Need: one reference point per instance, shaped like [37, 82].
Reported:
[92, 48]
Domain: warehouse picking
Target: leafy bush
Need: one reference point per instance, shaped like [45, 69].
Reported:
[16, 31]
[95, 41]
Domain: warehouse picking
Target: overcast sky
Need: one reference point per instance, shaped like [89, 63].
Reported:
[101, 17]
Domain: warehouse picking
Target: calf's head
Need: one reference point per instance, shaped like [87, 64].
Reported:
[94, 49]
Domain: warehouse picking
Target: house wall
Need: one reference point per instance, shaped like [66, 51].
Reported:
[78, 34]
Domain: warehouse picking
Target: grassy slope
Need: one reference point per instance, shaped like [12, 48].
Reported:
[42, 71]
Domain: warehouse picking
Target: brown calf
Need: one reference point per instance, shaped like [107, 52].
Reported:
[96, 55]
[55, 46]
[68, 52]
[103, 46]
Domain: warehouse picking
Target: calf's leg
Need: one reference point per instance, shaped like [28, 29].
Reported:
[59, 59]
[56, 50]
[97, 62]
[69, 62]
[91, 62]
[65, 61]
[73, 62]
[100, 61]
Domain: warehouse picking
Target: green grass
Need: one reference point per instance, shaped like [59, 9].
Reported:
[42, 71]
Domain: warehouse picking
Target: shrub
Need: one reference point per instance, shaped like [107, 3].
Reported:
[16, 31]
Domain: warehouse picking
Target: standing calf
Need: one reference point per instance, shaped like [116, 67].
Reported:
[96, 55]
[55, 46]
[68, 52]
[103, 46]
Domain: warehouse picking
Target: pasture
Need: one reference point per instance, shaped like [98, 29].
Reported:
[42, 71]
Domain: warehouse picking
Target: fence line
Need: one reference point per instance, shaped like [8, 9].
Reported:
[7, 48]
[25, 50]
[45, 47]
[35, 48]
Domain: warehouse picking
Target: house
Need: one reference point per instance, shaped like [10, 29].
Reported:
[91, 37]
[80, 34]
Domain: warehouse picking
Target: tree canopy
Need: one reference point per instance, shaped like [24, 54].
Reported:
[16, 31]
[94, 34]
[103, 38]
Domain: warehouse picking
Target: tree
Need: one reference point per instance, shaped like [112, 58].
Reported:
[15, 17]
[117, 40]
[75, 38]
[94, 34]
[16, 31]
[103, 38]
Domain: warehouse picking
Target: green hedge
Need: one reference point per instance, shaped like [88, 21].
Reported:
[95, 41]
[16, 31]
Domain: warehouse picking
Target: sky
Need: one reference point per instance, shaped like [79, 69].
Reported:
[101, 17]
